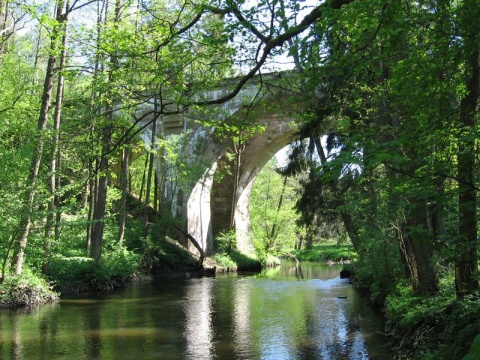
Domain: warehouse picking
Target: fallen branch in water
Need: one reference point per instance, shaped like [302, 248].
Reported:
[292, 256]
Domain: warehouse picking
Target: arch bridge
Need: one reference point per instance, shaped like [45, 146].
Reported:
[224, 155]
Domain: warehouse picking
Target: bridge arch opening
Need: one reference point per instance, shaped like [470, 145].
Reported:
[231, 202]
[219, 194]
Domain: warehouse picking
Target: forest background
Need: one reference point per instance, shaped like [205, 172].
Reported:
[391, 86]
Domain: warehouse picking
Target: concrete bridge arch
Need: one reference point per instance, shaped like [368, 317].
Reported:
[208, 204]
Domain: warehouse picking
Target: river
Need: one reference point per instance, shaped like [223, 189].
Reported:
[288, 312]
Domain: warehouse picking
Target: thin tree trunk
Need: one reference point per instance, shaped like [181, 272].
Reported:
[123, 200]
[49, 227]
[99, 211]
[93, 184]
[155, 190]
[101, 201]
[3, 27]
[38, 151]
[92, 195]
[238, 163]
[144, 176]
[149, 176]
[466, 265]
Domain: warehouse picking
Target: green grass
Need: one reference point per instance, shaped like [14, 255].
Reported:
[326, 252]
[27, 289]
[224, 261]
[245, 262]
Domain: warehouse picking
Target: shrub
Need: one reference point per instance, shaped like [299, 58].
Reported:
[246, 262]
[164, 256]
[270, 261]
[225, 242]
[77, 273]
[436, 327]
[462, 326]
[25, 290]
[224, 260]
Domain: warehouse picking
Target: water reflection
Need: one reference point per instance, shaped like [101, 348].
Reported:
[198, 327]
[241, 318]
[290, 312]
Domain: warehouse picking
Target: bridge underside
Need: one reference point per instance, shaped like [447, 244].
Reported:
[214, 203]
[210, 204]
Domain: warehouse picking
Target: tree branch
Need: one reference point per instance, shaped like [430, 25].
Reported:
[278, 41]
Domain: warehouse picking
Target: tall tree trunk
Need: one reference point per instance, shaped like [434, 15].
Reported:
[239, 148]
[99, 210]
[102, 10]
[149, 175]
[54, 200]
[101, 200]
[124, 189]
[155, 190]
[144, 176]
[417, 248]
[39, 141]
[3, 27]
[466, 262]
[92, 196]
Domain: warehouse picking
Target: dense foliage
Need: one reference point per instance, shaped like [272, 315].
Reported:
[386, 152]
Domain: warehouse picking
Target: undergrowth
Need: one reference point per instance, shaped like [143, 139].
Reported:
[79, 273]
[326, 252]
[25, 290]
[434, 327]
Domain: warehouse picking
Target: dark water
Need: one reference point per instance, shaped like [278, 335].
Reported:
[283, 313]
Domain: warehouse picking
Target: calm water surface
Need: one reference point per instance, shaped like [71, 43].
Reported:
[285, 313]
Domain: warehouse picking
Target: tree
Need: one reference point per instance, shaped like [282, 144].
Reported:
[29, 196]
[466, 262]
[271, 211]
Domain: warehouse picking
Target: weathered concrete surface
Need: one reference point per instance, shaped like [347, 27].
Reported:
[208, 201]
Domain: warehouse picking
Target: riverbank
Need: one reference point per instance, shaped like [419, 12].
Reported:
[418, 327]
[440, 326]
[328, 253]
[26, 290]
[119, 267]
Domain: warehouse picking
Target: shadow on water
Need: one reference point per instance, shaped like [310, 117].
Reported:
[288, 312]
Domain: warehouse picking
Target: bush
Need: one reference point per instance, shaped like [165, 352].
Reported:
[246, 262]
[25, 290]
[407, 311]
[461, 327]
[270, 261]
[77, 273]
[224, 261]
[165, 256]
[327, 252]
[436, 327]
[225, 242]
